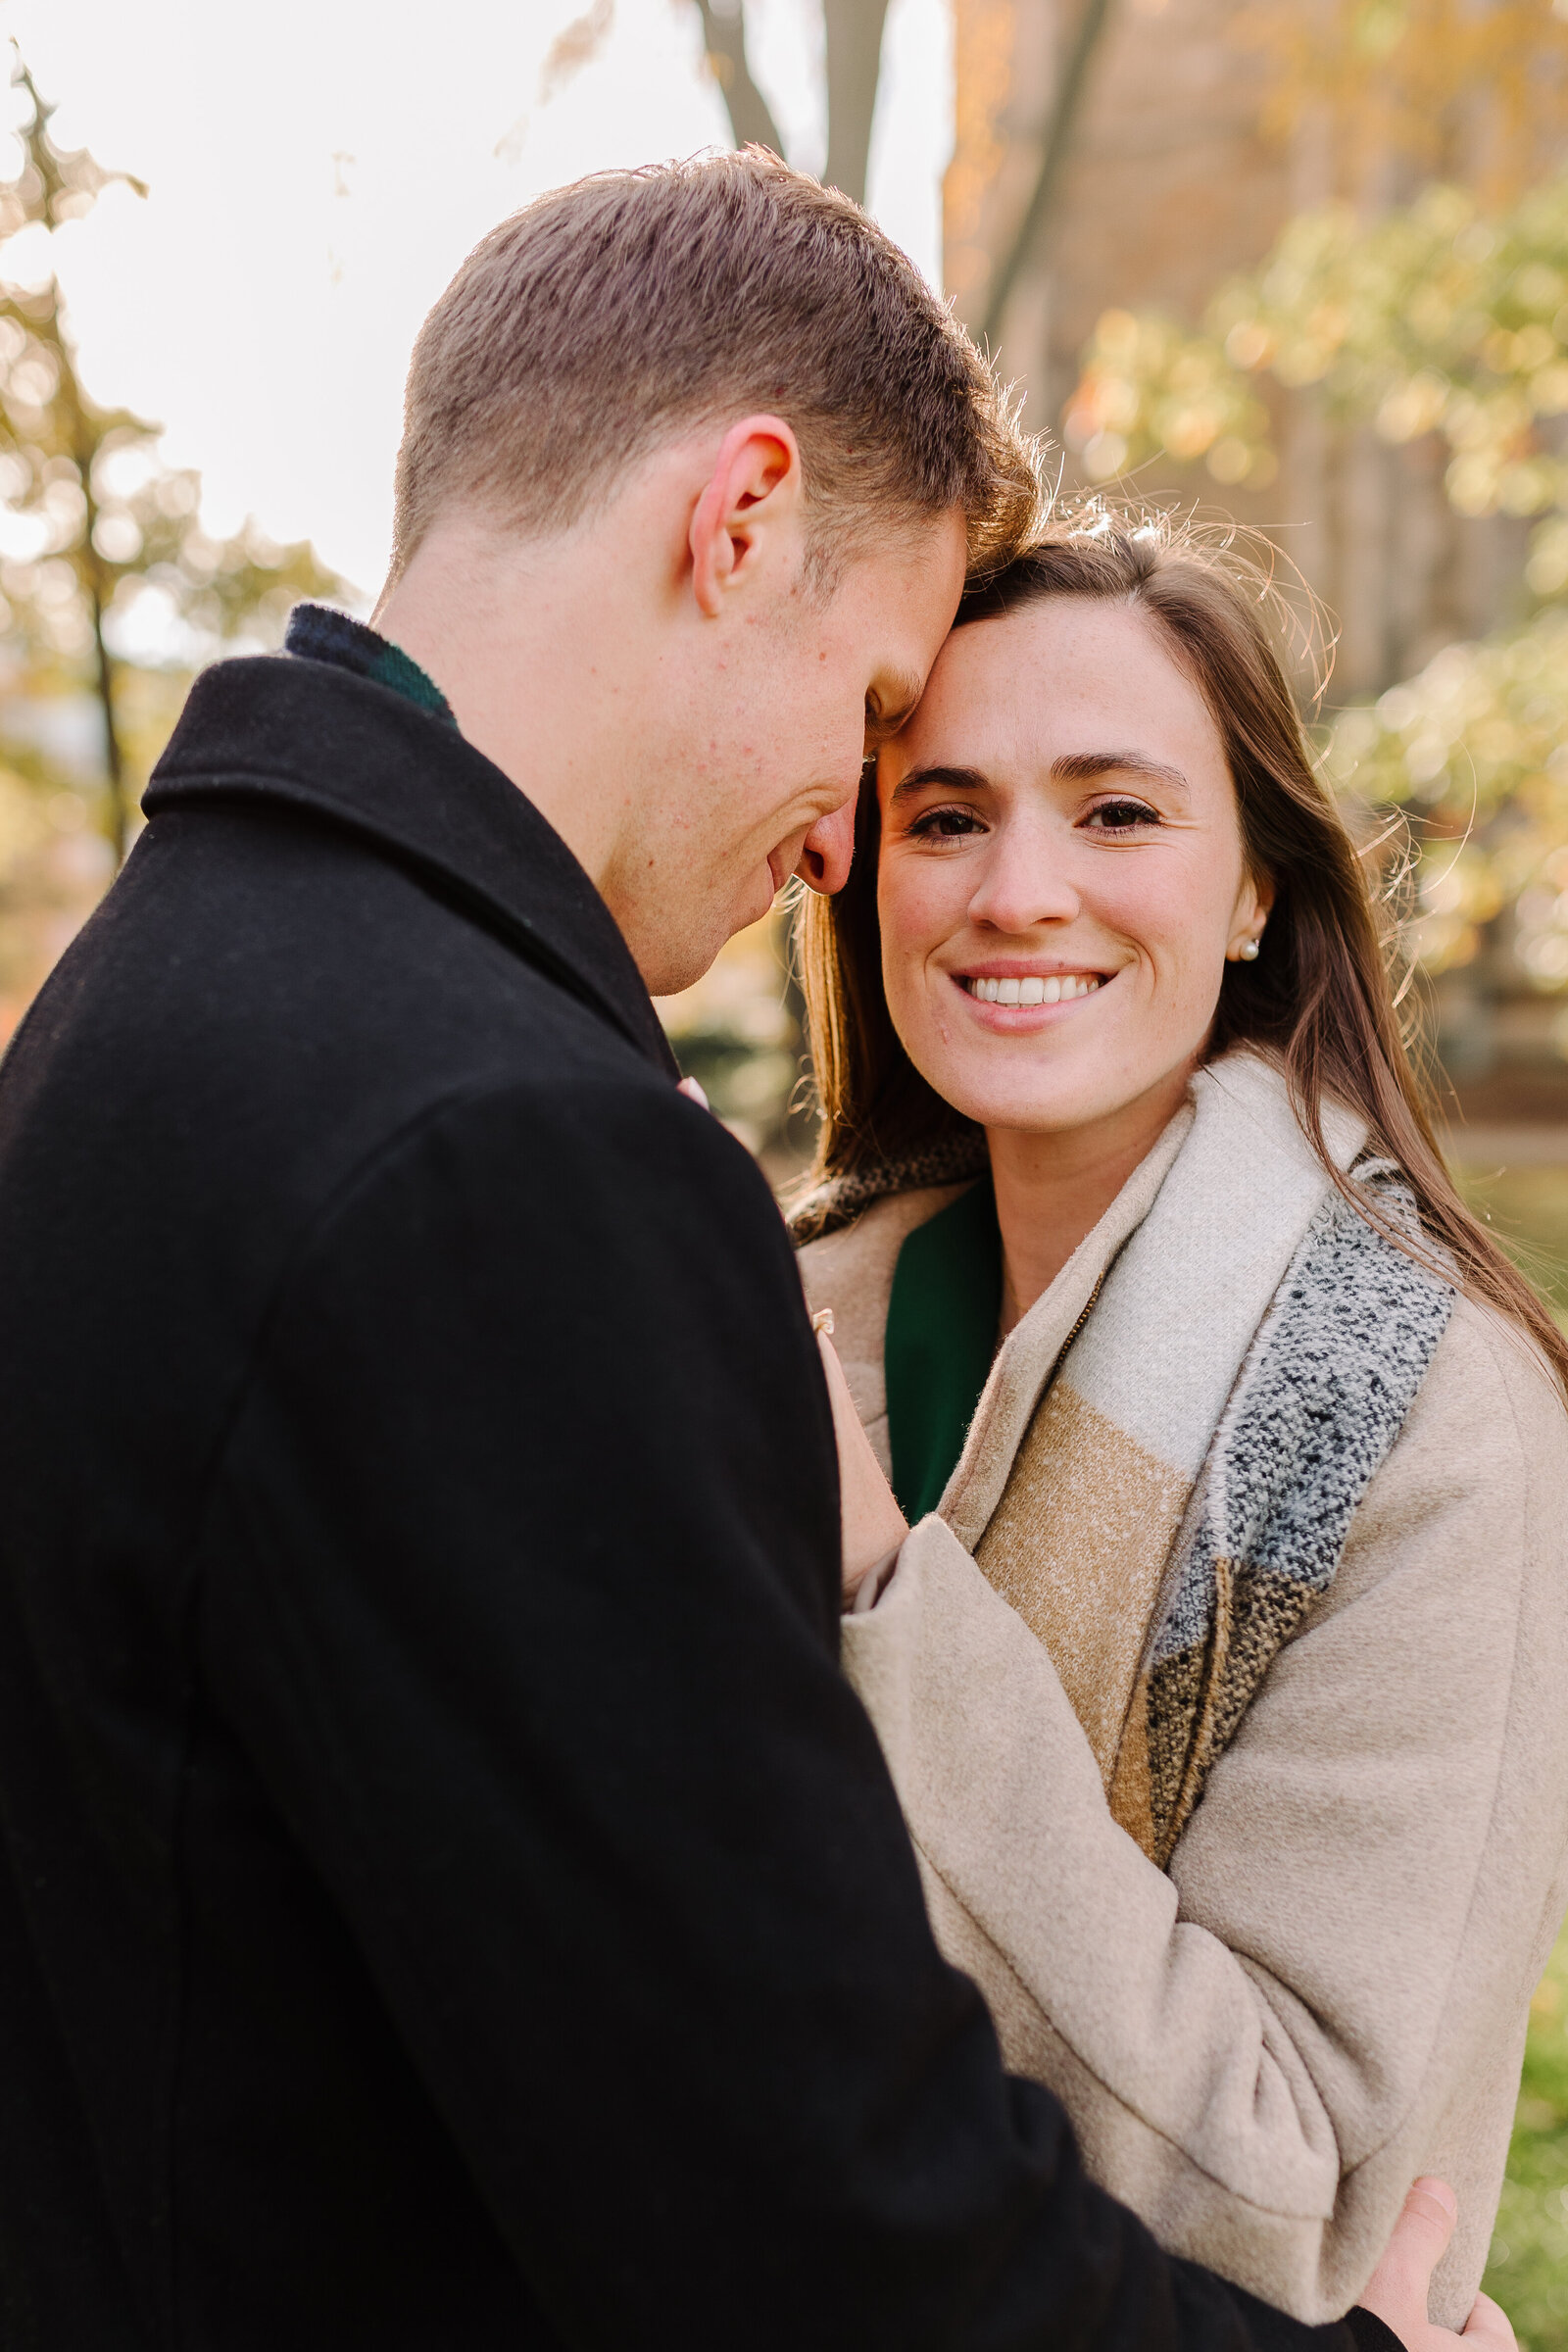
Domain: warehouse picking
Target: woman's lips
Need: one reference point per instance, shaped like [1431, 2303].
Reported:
[1030, 988]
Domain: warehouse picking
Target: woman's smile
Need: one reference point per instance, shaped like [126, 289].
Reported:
[1005, 991]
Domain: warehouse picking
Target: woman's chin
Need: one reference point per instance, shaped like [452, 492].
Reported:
[1049, 1106]
[1044, 1082]
[1036, 1119]
[1083, 1092]
[1053, 1093]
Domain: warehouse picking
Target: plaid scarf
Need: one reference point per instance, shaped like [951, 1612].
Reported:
[1163, 1467]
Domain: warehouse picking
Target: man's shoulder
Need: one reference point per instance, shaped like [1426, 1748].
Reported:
[293, 949]
[601, 1153]
[303, 793]
[253, 1023]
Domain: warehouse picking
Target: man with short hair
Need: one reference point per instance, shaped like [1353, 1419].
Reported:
[450, 1896]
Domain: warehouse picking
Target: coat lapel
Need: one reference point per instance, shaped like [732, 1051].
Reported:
[340, 749]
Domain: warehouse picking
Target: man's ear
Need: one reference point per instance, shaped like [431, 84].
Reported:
[752, 502]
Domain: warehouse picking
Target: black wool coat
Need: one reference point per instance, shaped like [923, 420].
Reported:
[449, 1897]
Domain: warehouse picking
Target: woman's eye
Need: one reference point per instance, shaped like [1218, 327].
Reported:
[1121, 816]
[945, 824]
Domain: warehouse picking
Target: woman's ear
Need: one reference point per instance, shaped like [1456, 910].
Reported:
[750, 509]
[1255, 903]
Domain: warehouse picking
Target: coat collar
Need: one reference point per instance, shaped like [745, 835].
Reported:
[306, 736]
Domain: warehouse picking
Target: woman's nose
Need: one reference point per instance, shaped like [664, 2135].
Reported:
[1026, 882]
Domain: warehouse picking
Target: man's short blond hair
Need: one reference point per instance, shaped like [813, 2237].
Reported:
[610, 317]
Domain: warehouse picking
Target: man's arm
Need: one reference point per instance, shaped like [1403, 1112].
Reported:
[521, 1589]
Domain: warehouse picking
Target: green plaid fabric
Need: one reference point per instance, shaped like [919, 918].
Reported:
[320, 634]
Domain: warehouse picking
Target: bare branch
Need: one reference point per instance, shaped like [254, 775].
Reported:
[1059, 139]
[576, 45]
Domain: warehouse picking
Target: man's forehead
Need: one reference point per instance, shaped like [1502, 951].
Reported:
[901, 744]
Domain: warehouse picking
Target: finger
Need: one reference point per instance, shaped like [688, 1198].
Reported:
[690, 1088]
[1431, 2209]
[873, 1526]
[837, 1386]
[1397, 2289]
[1489, 2328]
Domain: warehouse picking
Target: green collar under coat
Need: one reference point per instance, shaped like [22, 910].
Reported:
[940, 1343]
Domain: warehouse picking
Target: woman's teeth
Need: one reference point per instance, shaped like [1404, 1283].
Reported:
[1034, 990]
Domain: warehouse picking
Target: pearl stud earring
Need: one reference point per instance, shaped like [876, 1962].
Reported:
[1249, 951]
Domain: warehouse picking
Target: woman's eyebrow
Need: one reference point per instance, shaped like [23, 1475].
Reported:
[1082, 767]
[950, 779]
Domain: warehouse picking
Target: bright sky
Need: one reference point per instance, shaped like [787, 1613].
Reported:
[318, 169]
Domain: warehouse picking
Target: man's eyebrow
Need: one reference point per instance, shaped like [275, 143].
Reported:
[949, 779]
[1082, 767]
[895, 700]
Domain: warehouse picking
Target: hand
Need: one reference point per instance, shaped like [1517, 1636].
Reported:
[1397, 2290]
[873, 1524]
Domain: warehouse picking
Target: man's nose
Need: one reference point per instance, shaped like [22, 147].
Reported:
[828, 850]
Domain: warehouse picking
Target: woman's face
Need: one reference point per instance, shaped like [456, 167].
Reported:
[1061, 873]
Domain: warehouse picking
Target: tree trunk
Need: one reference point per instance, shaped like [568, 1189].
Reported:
[113, 760]
[751, 119]
[1054, 153]
[853, 66]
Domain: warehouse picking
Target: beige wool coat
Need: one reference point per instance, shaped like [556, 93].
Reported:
[1326, 1993]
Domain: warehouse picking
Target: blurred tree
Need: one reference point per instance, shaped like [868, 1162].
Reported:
[854, 70]
[750, 118]
[1474, 750]
[1071, 83]
[1423, 86]
[1433, 319]
[854, 42]
[95, 522]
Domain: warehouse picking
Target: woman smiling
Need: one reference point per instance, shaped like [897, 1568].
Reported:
[1223, 1693]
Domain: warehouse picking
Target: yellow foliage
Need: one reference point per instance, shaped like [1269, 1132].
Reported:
[1474, 748]
[1403, 78]
[1432, 319]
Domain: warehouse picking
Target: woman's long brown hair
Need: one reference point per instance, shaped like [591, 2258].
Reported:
[1319, 999]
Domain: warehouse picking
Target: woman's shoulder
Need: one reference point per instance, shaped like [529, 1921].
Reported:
[1480, 1465]
[843, 1268]
[1488, 1375]
[851, 1272]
